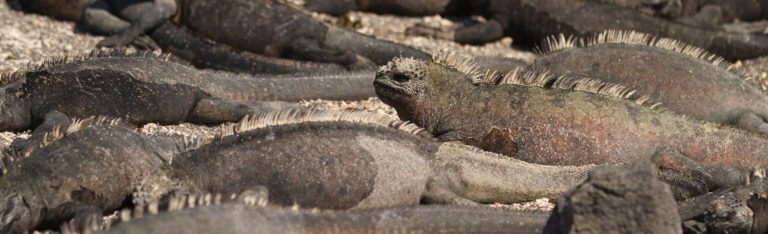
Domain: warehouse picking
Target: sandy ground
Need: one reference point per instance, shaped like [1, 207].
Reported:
[28, 39]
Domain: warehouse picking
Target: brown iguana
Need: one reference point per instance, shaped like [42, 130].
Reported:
[686, 79]
[531, 21]
[144, 87]
[552, 120]
[269, 27]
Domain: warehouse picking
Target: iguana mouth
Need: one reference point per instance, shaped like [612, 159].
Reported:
[385, 89]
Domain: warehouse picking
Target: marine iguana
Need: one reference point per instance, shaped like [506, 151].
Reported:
[531, 21]
[144, 88]
[686, 79]
[552, 120]
[92, 168]
[239, 218]
[269, 27]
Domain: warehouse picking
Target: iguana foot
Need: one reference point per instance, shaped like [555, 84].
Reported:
[428, 31]
[753, 122]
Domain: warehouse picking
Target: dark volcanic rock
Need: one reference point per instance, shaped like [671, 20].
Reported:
[617, 199]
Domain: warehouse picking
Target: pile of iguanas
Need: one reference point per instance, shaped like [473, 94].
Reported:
[650, 130]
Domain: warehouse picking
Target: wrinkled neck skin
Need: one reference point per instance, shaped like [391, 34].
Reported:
[442, 105]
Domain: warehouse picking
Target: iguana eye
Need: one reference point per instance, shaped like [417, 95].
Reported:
[400, 78]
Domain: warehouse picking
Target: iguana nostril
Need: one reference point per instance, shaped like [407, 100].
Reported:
[400, 78]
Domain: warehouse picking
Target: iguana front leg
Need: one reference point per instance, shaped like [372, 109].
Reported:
[162, 11]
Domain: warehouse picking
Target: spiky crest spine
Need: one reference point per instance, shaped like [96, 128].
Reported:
[543, 79]
[559, 42]
[294, 116]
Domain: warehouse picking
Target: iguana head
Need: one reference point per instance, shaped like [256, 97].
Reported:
[418, 89]
[14, 114]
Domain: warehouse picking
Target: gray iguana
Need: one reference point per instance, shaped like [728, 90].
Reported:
[242, 218]
[269, 27]
[686, 79]
[531, 21]
[91, 169]
[552, 120]
[144, 87]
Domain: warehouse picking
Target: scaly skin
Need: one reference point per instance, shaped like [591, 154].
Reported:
[238, 218]
[554, 126]
[683, 83]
